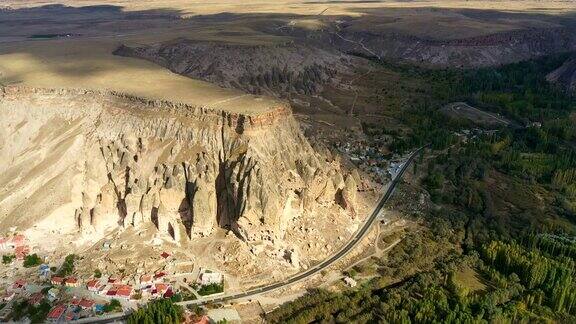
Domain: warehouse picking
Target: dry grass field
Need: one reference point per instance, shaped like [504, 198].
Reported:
[347, 7]
[35, 50]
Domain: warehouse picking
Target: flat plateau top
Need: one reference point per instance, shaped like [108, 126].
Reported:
[97, 27]
[89, 64]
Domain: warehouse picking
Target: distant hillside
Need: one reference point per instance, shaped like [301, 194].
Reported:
[565, 75]
[259, 69]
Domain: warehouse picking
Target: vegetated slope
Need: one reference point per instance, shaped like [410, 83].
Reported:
[75, 160]
[565, 75]
[271, 69]
[503, 212]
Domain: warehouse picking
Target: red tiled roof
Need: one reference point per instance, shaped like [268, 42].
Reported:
[159, 275]
[75, 301]
[165, 255]
[111, 292]
[21, 281]
[69, 316]
[203, 320]
[169, 293]
[145, 278]
[124, 291]
[160, 287]
[86, 303]
[71, 280]
[56, 279]
[57, 311]
[93, 283]
[21, 250]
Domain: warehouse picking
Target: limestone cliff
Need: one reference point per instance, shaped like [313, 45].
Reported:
[95, 162]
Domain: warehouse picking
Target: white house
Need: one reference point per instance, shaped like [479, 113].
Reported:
[350, 282]
[208, 278]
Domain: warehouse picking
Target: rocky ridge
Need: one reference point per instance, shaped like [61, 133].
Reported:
[95, 162]
[489, 50]
[271, 69]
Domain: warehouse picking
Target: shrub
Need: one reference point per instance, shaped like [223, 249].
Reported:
[7, 259]
[32, 261]
[113, 305]
[68, 266]
[211, 289]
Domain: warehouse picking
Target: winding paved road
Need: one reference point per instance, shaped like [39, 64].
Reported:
[326, 263]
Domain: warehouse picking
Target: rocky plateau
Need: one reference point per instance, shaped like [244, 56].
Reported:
[91, 164]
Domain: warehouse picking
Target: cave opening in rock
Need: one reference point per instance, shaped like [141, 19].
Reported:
[224, 199]
[186, 215]
[171, 231]
[232, 186]
[186, 211]
[154, 216]
[122, 211]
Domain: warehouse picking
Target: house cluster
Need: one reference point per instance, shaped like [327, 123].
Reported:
[16, 244]
[147, 286]
[74, 309]
[37, 294]
[18, 288]
[394, 168]
[369, 157]
[68, 281]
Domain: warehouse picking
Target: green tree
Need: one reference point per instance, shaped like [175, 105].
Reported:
[32, 261]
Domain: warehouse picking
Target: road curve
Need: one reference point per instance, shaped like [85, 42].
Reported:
[326, 263]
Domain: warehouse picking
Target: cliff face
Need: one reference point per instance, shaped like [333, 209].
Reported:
[96, 162]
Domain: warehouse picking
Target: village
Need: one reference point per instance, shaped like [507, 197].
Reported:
[36, 289]
[371, 155]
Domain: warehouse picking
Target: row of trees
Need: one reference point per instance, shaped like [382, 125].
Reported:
[162, 311]
[552, 244]
[536, 272]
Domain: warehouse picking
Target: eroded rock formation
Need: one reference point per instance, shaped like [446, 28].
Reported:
[98, 162]
[273, 69]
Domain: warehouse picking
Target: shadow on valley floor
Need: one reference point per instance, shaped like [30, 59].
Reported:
[76, 43]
